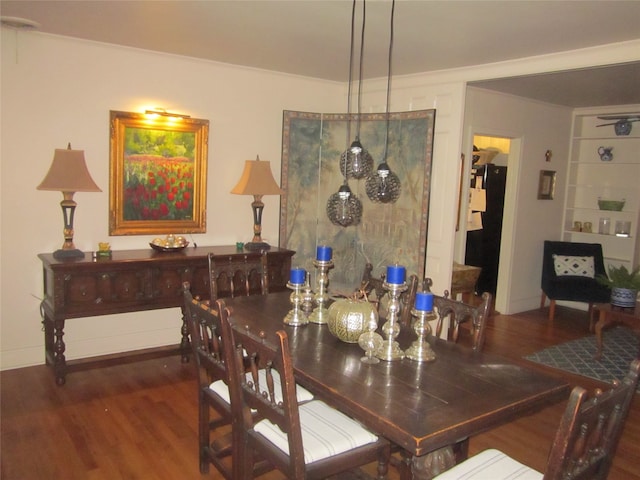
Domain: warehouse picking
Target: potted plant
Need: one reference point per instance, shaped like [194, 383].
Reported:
[624, 285]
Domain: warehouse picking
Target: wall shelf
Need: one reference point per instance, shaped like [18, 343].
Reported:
[590, 178]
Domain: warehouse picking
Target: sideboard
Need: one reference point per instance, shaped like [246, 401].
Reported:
[131, 281]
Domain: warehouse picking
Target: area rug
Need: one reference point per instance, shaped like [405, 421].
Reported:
[620, 348]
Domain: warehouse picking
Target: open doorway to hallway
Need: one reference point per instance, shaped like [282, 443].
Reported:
[488, 182]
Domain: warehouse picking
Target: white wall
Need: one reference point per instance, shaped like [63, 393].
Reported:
[538, 127]
[57, 90]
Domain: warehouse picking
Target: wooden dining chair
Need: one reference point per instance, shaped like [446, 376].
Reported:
[215, 434]
[204, 330]
[584, 445]
[458, 313]
[371, 284]
[238, 275]
[304, 441]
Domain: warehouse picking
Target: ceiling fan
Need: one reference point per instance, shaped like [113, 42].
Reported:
[622, 124]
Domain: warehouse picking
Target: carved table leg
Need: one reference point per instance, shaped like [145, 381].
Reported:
[185, 344]
[59, 361]
[47, 327]
[433, 463]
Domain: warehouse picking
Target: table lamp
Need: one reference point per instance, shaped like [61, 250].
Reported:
[68, 174]
[257, 180]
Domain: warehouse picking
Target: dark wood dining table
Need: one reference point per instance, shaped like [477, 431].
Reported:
[421, 407]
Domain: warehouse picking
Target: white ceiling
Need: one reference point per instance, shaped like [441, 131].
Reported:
[312, 37]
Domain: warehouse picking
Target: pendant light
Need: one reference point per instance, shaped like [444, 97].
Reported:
[383, 186]
[343, 207]
[356, 160]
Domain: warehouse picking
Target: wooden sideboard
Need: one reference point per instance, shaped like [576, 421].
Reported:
[132, 281]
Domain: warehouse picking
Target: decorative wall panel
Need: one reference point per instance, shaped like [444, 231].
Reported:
[388, 233]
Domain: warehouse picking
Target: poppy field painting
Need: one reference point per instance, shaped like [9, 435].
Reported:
[158, 174]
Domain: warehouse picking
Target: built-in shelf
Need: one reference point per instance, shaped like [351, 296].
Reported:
[590, 178]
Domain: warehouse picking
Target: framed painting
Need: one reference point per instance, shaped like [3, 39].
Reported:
[312, 144]
[158, 174]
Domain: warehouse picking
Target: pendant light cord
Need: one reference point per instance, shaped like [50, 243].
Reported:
[364, 16]
[353, 19]
[386, 138]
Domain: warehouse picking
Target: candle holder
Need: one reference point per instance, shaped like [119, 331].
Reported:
[307, 297]
[420, 350]
[296, 317]
[370, 341]
[390, 350]
[320, 314]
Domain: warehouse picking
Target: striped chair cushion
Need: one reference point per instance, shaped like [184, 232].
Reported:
[302, 394]
[325, 432]
[490, 465]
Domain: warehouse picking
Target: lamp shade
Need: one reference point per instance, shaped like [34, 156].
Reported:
[257, 179]
[68, 173]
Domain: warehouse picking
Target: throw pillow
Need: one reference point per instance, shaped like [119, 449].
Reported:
[566, 265]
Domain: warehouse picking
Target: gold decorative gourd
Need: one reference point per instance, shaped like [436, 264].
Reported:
[351, 317]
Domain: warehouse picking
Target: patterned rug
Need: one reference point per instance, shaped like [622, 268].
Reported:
[620, 348]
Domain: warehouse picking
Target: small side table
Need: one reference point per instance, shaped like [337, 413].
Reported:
[609, 314]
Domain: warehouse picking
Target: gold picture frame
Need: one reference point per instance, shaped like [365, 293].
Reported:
[158, 174]
[546, 185]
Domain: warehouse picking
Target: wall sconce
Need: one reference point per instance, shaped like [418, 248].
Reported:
[68, 174]
[163, 112]
[257, 180]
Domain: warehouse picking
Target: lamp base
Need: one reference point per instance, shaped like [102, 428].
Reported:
[70, 253]
[253, 246]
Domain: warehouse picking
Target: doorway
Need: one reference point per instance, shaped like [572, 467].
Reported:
[487, 233]
[484, 227]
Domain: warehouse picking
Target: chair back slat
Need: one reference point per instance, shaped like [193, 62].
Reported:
[458, 313]
[238, 275]
[590, 429]
[203, 322]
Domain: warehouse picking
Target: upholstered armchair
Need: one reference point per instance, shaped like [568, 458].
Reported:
[568, 273]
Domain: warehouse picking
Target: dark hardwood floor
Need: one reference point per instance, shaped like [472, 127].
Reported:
[138, 420]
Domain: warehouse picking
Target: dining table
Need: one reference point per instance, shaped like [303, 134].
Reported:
[423, 407]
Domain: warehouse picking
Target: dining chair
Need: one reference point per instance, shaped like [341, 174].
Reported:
[371, 284]
[303, 441]
[238, 275]
[454, 313]
[204, 331]
[569, 271]
[457, 313]
[205, 328]
[584, 445]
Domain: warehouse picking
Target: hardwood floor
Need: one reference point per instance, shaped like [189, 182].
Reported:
[138, 420]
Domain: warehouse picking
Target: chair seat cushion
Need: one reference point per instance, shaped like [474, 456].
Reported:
[302, 394]
[325, 432]
[490, 465]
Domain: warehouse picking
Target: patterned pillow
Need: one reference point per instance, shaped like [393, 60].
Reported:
[566, 265]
